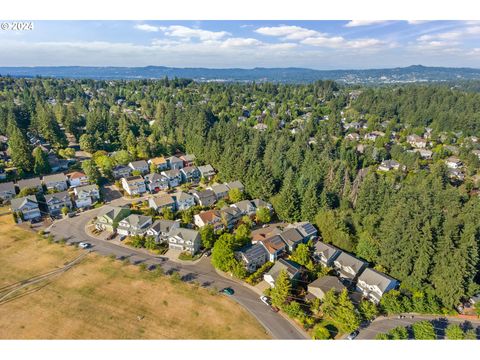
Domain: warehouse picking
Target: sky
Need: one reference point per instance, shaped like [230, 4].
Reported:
[244, 44]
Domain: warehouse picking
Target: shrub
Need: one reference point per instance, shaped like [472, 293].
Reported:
[320, 333]
[143, 267]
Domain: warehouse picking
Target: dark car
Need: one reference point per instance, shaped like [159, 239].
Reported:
[353, 335]
[227, 291]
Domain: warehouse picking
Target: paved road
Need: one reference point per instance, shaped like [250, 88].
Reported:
[73, 230]
[384, 324]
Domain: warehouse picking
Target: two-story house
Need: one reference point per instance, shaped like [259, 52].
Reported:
[292, 238]
[7, 191]
[188, 160]
[246, 207]
[324, 284]
[325, 253]
[110, 216]
[134, 224]
[173, 176]
[292, 269]
[33, 183]
[26, 207]
[159, 162]
[134, 185]
[230, 216]
[140, 166]
[158, 203]
[174, 163]
[306, 229]
[56, 182]
[185, 240]
[205, 197]
[121, 171]
[275, 247]
[220, 191]
[56, 201]
[160, 229]
[190, 174]
[207, 172]
[374, 284]
[253, 257]
[235, 185]
[86, 195]
[348, 266]
[156, 182]
[183, 200]
[210, 217]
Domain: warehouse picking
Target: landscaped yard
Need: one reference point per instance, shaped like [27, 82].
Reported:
[105, 299]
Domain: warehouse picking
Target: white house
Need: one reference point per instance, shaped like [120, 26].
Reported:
[86, 195]
[26, 206]
[134, 185]
[57, 201]
[160, 229]
[183, 201]
[56, 182]
[185, 240]
[7, 191]
[77, 178]
[374, 284]
[140, 165]
[134, 224]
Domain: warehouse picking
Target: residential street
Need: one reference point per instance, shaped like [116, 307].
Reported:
[384, 324]
[73, 230]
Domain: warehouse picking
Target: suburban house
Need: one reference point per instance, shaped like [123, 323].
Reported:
[86, 195]
[188, 160]
[417, 141]
[220, 191]
[253, 257]
[183, 200]
[33, 183]
[161, 228]
[174, 163]
[292, 269]
[306, 229]
[456, 174]
[348, 266]
[388, 165]
[325, 253]
[424, 153]
[259, 203]
[207, 172]
[190, 174]
[453, 162]
[185, 240]
[77, 178]
[156, 182]
[110, 216]
[7, 191]
[235, 185]
[246, 207]
[210, 217]
[372, 136]
[174, 177]
[57, 201]
[134, 185]
[264, 233]
[57, 164]
[140, 166]
[26, 206]
[121, 171]
[230, 216]
[204, 198]
[275, 247]
[374, 284]
[56, 182]
[292, 238]
[322, 285]
[159, 162]
[158, 203]
[134, 224]
[353, 137]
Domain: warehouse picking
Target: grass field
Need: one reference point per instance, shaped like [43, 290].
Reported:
[101, 298]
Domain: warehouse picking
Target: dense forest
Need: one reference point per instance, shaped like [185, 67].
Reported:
[417, 226]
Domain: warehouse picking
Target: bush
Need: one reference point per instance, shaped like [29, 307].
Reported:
[320, 333]
[142, 266]
[423, 330]
[257, 276]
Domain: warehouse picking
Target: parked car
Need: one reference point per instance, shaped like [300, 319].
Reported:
[274, 309]
[207, 253]
[265, 300]
[353, 335]
[84, 245]
[227, 291]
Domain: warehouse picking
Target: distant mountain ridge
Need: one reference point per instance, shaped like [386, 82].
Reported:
[414, 73]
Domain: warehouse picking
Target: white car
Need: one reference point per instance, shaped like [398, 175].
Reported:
[84, 245]
[265, 300]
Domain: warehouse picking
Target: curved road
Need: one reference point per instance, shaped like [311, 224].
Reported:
[73, 230]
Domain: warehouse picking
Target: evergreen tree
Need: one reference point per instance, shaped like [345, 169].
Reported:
[282, 289]
[20, 150]
[41, 164]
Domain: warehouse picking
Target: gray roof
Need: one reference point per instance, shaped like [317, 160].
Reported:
[136, 220]
[19, 202]
[326, 250]
[154, 177]
[373, 277]
[305, 228]
[55, 178]
[87, 188]
[29, 183]
[163, 226]
[254, 251]
[133, 179]
[139, 164]
[111, 212]
[219, 188]
[244, 205]
[235, 185]
[7, 186]
[325, 283]
[189, 157]
[291, 267]
[62, 196]
[174, 159]
[189, 169]
[163, 200]
[171, 173]
[185, 234]
[205, 169]
[351, 261]
[205, 194]
[259, 203]
[182, 196]
[122, 167]
[291, 236]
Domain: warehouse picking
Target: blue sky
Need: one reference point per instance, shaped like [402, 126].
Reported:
[246, 44]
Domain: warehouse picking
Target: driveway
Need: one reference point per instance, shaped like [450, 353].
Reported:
[73, 230]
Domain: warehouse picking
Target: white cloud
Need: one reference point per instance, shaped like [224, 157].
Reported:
[417, 22]
[340, 42]
[355, 23]
[335, 41]
[146, 27]
[188, 33]
[287, 32]
[458, 34]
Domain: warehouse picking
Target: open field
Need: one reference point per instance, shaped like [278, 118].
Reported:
[105, 299]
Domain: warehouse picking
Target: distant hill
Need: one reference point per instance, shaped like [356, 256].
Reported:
[414, 73]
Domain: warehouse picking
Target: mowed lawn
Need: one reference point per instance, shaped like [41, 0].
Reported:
[103, 298]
